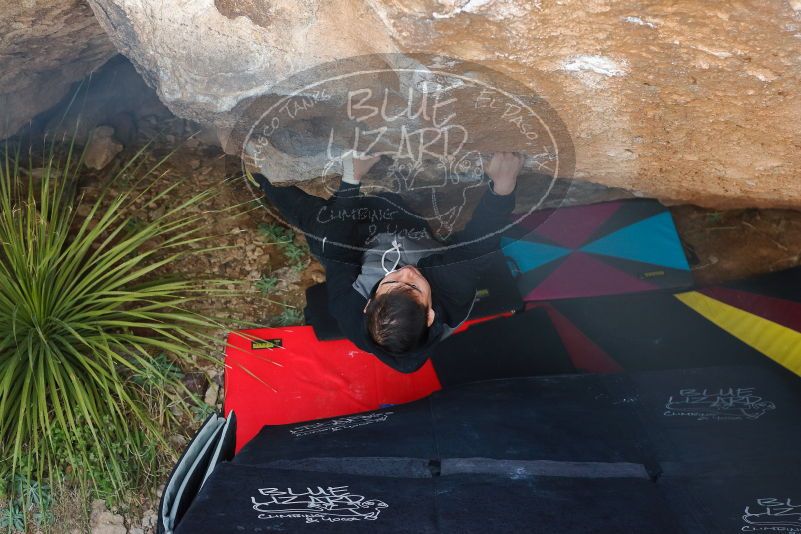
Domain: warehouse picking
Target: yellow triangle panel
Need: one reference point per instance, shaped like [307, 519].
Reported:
[778, 342]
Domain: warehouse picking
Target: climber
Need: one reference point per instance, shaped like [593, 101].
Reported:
[396, 294]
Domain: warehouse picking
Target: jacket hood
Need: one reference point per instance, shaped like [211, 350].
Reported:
[410, 361]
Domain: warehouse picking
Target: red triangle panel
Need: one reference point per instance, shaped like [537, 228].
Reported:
[571, 227]
[582, 275]
[780, 311]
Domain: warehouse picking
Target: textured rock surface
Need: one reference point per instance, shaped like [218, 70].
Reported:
[45, 46]
[101, 148]
[116, 95]
[684, 101]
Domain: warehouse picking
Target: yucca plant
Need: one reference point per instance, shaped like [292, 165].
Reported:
[84, 312]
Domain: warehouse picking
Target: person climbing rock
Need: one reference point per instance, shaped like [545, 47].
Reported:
[396, 291]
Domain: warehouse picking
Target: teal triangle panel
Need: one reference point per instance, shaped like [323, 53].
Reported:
[529, 255]
[652, 240]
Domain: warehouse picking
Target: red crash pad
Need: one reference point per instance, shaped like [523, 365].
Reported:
[286, 375]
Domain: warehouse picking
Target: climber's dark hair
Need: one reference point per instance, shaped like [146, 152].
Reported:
[396, 321]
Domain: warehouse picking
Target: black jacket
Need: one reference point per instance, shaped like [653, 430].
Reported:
[453, 274]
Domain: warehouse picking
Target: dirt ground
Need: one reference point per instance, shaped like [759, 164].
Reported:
[740, 243]
[242, 255]
[232, 217]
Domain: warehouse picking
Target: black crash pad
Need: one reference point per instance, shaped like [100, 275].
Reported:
[712, 419]
[567, 418]
[241, 498]
[524, 344]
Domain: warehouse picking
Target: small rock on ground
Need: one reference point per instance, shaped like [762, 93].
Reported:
[101, 148]
[211, 394]
[104, 521]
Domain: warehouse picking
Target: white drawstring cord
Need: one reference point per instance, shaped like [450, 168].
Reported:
[396, 247]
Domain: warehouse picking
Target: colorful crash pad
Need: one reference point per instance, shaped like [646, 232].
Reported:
[609, 248]
[736, 323]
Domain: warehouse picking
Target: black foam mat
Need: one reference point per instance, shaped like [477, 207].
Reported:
[524, 344]
[252, 499]
[240, 498]
[736, 503]
[652, 331]
[685, 421]
[350, 465]
[481, 504]
[645, 452]
[565, 418]
[397, 431]
[707, 420]
[784, 284]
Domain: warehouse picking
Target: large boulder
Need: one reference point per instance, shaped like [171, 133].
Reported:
[45, 47]
[682, 100]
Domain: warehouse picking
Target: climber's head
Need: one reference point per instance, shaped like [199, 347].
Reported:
[399, 311]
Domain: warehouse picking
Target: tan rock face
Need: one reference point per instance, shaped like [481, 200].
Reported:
[683, 101]
[45, 46]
